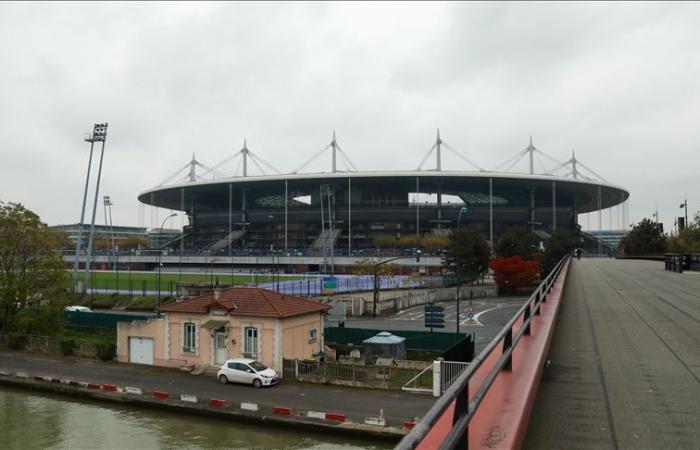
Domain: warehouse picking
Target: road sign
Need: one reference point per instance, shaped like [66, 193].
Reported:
[434, 316]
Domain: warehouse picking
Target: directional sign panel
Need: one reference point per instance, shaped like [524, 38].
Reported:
[434, 316]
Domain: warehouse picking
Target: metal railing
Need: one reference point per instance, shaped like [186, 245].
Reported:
[459, 392]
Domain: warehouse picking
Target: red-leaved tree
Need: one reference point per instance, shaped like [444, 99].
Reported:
[512, 273]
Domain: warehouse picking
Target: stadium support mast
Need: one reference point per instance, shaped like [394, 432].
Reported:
[574, 171]
[437, 148]
[244, 153]
[334, 149]
[531, 149]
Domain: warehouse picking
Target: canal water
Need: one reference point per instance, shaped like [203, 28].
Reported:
[31, 420]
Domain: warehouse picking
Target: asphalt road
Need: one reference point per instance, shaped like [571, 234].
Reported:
[624, 368]
[356, 403]
[491, 314]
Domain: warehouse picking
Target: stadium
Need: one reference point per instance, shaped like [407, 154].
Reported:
[347, 212]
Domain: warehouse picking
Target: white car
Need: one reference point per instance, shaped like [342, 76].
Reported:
[247, 371]
[78, 309]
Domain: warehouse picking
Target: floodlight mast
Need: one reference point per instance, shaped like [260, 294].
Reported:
[79, 241]
[99, 134]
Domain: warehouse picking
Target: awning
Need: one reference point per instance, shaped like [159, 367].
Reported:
[214, 324]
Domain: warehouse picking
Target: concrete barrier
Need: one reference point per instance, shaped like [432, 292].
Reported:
[133, 390]
[22, 375]
[316, 415]
[409, 425]
[4, 373]
[282, 410]
[65, 381]
[336, 417]
[216, 402]
[249, 406]
[109, 387]
[160, 394]
[188, 398]
[93, 386]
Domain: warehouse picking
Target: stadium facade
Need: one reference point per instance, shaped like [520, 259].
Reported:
[350, 210]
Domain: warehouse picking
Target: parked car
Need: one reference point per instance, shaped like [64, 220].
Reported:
[247, 371]
[78, 309]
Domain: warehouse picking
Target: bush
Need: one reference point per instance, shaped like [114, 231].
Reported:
[17, 341]
[106, 351]
[511, 274]
[67, 347]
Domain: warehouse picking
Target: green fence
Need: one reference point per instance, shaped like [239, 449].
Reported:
[415, 340]
[99, 320]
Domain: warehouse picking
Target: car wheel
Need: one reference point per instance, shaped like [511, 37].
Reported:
[223, 379]
[257, 383]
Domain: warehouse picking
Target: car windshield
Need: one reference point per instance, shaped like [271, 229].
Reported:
[258, 366]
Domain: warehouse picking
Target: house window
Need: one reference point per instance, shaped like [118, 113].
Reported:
[251, 342]
[189, 342]
[312, 335]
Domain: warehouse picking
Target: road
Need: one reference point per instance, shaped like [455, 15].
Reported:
[491, 315]
[356, 403]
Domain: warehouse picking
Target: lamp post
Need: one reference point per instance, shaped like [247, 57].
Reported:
[375, 296]
[160, 252]
[459, 217]
[685, 205]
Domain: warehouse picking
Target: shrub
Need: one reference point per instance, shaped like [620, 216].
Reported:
[17, 341]
[513, 273]
[67, 347]
[106, 351]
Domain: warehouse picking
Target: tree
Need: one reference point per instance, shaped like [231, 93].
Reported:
[513, 272]
[31, 269]
[133, 242]
[385, 241]
[687, 240]
[63, 242]
[409, 241]
[645, 237]
[466, 254]
[517, 241]
[560, 243]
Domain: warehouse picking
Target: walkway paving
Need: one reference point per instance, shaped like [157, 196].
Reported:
[625, 361]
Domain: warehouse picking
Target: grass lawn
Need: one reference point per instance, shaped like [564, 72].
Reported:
[138, 282]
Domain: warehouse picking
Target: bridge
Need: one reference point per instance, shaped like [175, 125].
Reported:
[612, 361]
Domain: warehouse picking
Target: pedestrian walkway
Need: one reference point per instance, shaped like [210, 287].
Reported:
[624, 368]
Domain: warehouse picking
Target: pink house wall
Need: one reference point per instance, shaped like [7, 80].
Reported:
[277, 338]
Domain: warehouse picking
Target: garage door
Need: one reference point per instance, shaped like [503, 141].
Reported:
[141, 350]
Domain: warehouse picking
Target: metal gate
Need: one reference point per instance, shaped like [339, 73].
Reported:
[449, 372]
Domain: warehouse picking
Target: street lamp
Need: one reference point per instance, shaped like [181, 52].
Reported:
[160, 251]
[685, 205]
[459, 217]
[375, 297]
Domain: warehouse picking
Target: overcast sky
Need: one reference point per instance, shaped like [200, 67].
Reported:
[619, 83]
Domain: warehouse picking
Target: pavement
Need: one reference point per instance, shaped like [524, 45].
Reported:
[624, 368]
[356, 403]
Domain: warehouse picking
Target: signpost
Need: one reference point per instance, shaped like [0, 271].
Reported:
[434, 316]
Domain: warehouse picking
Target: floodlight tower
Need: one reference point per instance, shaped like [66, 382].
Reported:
[99, 134]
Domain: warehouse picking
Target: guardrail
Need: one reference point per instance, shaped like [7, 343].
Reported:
[458, 393]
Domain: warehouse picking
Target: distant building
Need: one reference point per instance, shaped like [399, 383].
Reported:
[159, 238]
[120, 233]
[611, 238]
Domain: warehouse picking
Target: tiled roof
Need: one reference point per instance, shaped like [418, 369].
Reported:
[249, 302]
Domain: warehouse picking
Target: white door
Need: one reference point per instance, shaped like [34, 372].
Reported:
[220, 355]
[141, 350]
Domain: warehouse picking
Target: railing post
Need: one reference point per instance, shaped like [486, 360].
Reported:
[507, 344]
[462, 409]
[526, 317]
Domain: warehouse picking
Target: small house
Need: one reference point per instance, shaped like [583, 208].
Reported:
[230, 323]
